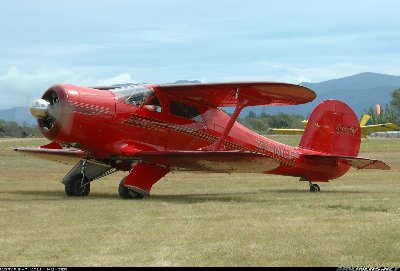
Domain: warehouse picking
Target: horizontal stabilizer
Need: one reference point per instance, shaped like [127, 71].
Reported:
[356, 162]
[214, 161]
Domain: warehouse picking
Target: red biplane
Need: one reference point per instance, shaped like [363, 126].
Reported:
[150, 130]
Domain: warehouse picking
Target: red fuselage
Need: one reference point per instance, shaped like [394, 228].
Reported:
[106, 124]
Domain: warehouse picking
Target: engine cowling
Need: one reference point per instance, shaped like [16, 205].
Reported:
[67, 113]
[50, 111]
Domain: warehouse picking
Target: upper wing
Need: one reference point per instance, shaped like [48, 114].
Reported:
[286, 131]
[228, 94]
[212, 161]
[356, 162]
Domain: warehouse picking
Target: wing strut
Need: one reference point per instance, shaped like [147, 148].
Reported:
[219, 144]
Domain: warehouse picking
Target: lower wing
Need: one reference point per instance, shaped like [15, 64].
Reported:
[368, 129]
[213, 161]
[66, 156]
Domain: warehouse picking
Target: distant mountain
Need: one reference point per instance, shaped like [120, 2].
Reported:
[366, 80]
[359, 91]
[20, 115]
[186, 82]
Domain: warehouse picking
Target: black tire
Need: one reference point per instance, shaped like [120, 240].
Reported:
[314, 188]
[127, 193]
[73, 186]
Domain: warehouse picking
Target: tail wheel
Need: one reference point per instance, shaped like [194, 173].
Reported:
[314, 187]
[127, 193]
[75, 187]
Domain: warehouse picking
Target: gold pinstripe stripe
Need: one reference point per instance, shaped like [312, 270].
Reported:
[154, 124]
[95, 109]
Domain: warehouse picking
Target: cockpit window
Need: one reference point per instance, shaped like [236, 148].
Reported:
[133, 94]
[184, 110]
[153, 105]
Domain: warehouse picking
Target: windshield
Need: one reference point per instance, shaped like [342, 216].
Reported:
[132, 94]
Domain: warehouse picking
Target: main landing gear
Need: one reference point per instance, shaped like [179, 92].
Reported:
[136, 185]
[77, 181]
[77, 185]
[141, 178]
[128, 193]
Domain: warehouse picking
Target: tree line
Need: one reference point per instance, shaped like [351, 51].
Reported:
[390, 113]
[13, 129]
[261, 123]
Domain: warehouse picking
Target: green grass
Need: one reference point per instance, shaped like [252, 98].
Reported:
[200, 219]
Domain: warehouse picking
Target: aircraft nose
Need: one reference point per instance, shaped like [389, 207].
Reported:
[40, 109]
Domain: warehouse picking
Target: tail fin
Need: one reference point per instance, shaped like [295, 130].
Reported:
[365, 119]
[332, 128]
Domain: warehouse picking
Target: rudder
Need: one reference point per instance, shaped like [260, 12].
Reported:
[332, 128]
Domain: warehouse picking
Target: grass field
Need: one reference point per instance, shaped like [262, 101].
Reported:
[200, 219]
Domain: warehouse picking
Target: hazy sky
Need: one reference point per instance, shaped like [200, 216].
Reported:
[89, 42]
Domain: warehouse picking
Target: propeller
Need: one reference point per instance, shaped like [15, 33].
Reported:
[51, 112]
[46, 110]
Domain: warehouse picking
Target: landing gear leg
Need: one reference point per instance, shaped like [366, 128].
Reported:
[78, 185]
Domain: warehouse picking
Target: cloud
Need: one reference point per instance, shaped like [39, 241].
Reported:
[118, 79]
[17, 88]
[20, 88]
